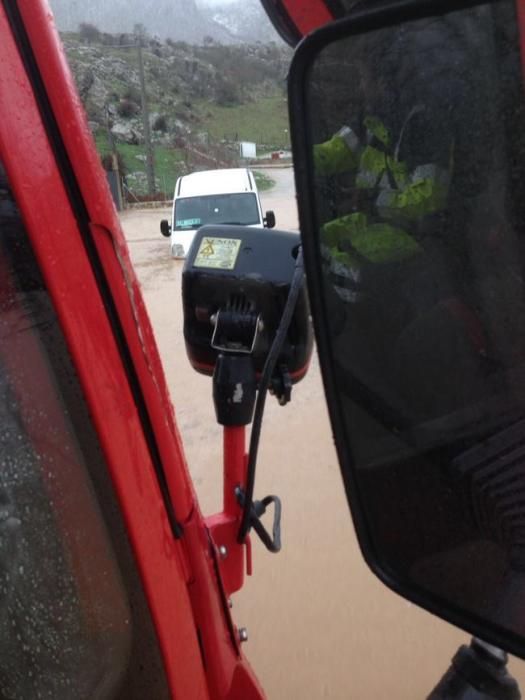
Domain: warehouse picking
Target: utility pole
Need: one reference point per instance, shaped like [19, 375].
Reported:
[150, 171]
[116, 187]
[111, 140]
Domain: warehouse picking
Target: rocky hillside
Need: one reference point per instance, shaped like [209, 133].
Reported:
[182, 81]
[202, 100]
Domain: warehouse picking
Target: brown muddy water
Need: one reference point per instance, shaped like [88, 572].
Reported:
[320, 624]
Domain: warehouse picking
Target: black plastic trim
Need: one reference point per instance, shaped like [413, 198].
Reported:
[282, 22]
[336, 8]
[83, 220]
[357, 22]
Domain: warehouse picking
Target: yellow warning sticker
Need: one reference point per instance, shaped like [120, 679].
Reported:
[218, 253]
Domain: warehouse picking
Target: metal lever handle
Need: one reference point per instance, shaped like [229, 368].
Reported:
[257, 510]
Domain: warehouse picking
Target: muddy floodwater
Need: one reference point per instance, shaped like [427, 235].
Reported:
[320, 625]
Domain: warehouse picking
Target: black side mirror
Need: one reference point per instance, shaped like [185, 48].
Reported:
[165, 228]
[408, 129]
[269, 219]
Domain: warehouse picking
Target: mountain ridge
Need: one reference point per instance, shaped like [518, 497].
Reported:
[178, 20]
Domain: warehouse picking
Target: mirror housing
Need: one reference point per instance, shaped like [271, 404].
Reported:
[269, 219]
[165, 228]
[412, 211]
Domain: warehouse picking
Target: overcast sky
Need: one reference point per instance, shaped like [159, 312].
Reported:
[214, 2]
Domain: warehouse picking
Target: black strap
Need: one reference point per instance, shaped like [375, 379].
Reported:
[257, 510]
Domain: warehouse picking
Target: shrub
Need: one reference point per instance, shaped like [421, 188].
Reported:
[127, 108]
[107, 163]
[89, 32]
[160, 124]
[227, 94]
[132, 93]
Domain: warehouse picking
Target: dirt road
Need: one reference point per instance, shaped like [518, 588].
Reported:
[320, 624]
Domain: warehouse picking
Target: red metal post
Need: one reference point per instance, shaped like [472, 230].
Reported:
[223, 527]
[234, 467]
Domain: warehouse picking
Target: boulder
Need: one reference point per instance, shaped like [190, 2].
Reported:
[126, 132]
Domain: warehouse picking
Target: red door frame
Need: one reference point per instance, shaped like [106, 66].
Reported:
[55, 173]
[181, 577]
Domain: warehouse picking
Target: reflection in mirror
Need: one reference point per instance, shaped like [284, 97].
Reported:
[419, 156]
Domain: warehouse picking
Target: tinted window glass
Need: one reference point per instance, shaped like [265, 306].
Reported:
[418, 133]
[73, 620]
[192, 212]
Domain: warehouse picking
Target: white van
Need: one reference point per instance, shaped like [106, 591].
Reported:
[213, 197]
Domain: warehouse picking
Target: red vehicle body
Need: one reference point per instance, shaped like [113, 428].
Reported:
[57, 181]
[55, 176]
